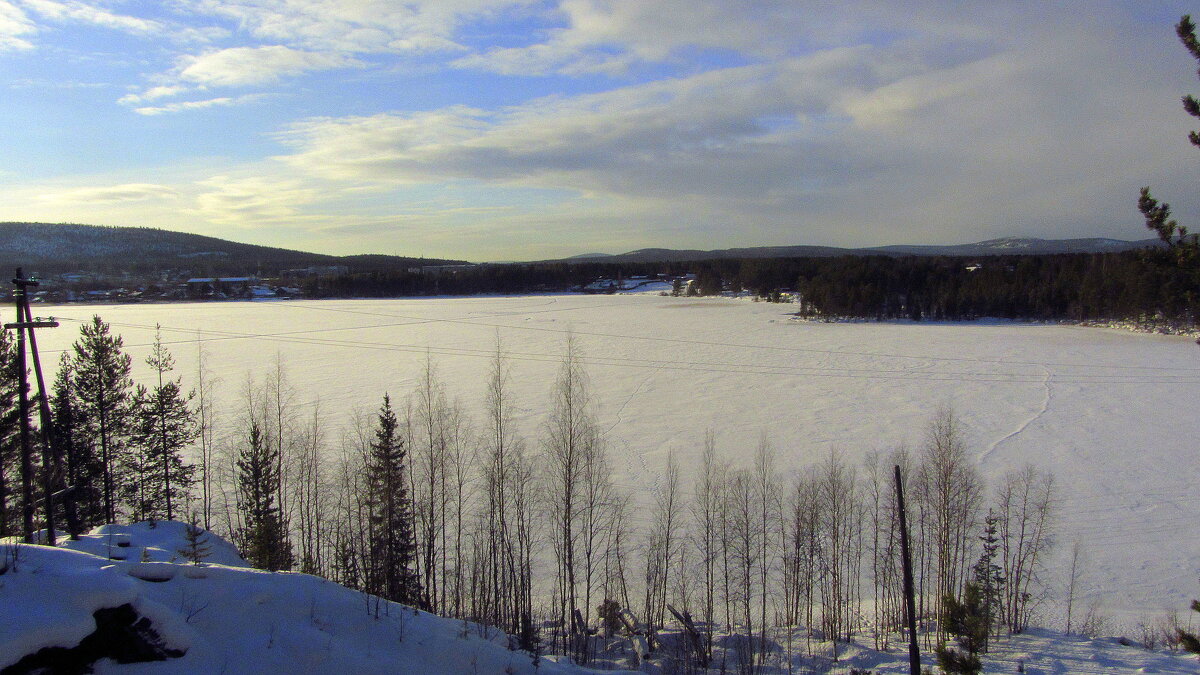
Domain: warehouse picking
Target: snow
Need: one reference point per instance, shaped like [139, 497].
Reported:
[1109, 412]
[231, 619]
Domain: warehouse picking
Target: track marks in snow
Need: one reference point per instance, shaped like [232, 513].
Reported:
[1048, 395]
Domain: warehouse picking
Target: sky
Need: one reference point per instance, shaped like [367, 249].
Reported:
[529, 129]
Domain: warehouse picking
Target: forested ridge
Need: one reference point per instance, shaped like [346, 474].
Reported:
[1085, 286]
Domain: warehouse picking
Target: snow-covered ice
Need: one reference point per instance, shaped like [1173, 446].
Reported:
[1109, 412]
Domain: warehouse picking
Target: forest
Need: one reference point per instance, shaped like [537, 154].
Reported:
[429, 503]
[1134, 285]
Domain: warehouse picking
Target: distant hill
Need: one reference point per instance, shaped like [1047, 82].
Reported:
[1005, 246]
[44, 248]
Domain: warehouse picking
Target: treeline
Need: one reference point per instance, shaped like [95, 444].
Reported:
[427, 504]
[1132, 285]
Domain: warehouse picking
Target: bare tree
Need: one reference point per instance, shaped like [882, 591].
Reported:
[949, 490]
[705, 510]
[206, 430]
[1025, 504]
[768, 508]
[741, 539]
[310, 496]
[662, 545]
[430, 415]
[501, 585]
[840, 528]
[886, 570]
[571, 440]
[1074, 573]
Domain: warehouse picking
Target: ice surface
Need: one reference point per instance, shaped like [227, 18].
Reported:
[1110, 413]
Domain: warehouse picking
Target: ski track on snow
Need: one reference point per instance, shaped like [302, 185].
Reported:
[1047, 376]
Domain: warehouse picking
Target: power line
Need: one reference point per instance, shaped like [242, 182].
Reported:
[298, 337]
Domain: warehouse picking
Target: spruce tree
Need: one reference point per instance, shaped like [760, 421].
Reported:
[392, 540]
[102, 389]
[262, 538]
[967, 621]
[10, 421]
[165, 425]
[989, 577]
[85, 473]
[196, 547]
[1183, 247]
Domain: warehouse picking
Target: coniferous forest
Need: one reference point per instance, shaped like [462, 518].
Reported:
[1133, 285]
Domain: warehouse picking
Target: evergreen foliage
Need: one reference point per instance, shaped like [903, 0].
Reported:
[968, 621]
[262, 538]
[102, 404]
[85, 473]
[1183, 248]
[164, 425]
[10, 426]
[989, 579]
[197, 547]
[393, 546]
[1190, 641]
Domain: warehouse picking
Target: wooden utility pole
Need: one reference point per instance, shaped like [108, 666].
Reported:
[910, 604]
[53, 455]
[25, 323]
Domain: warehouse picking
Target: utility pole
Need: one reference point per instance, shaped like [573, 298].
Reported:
[910, 604]
[25, 323]
[53, 455]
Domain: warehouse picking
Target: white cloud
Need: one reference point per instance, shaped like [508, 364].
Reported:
[904, 140]
[13, 25]
[87, 13]
[152, 94]
[182, 106]
[354, 26]
[251, 201]
[242, 66]
[109, 194]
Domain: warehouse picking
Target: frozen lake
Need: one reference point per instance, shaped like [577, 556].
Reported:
[1112, 414]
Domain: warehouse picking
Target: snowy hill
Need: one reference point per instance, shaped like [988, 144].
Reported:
[47, 249]
[172, 616]
[1003, 246]
[222, 617]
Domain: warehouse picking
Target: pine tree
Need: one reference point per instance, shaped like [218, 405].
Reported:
[392, 540]
[1183, 248]
[989, 577]
[102, 389]
[967, 621]
[264, 542]
[165, 425]
[85, 473]
[1190, 641]
[197, 547]
[10, 380]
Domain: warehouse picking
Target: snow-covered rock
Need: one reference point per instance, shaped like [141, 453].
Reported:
[226, 617]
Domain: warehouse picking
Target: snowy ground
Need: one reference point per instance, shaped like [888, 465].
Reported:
[227, 618]
[1110, 412]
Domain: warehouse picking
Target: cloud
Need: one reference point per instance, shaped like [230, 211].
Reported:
[85, 13]
[182, 106]
[112, 194]
[152, 94]
[355, 26]
[13, 25]
[901, 141]
[243, 66]
[251, 201]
